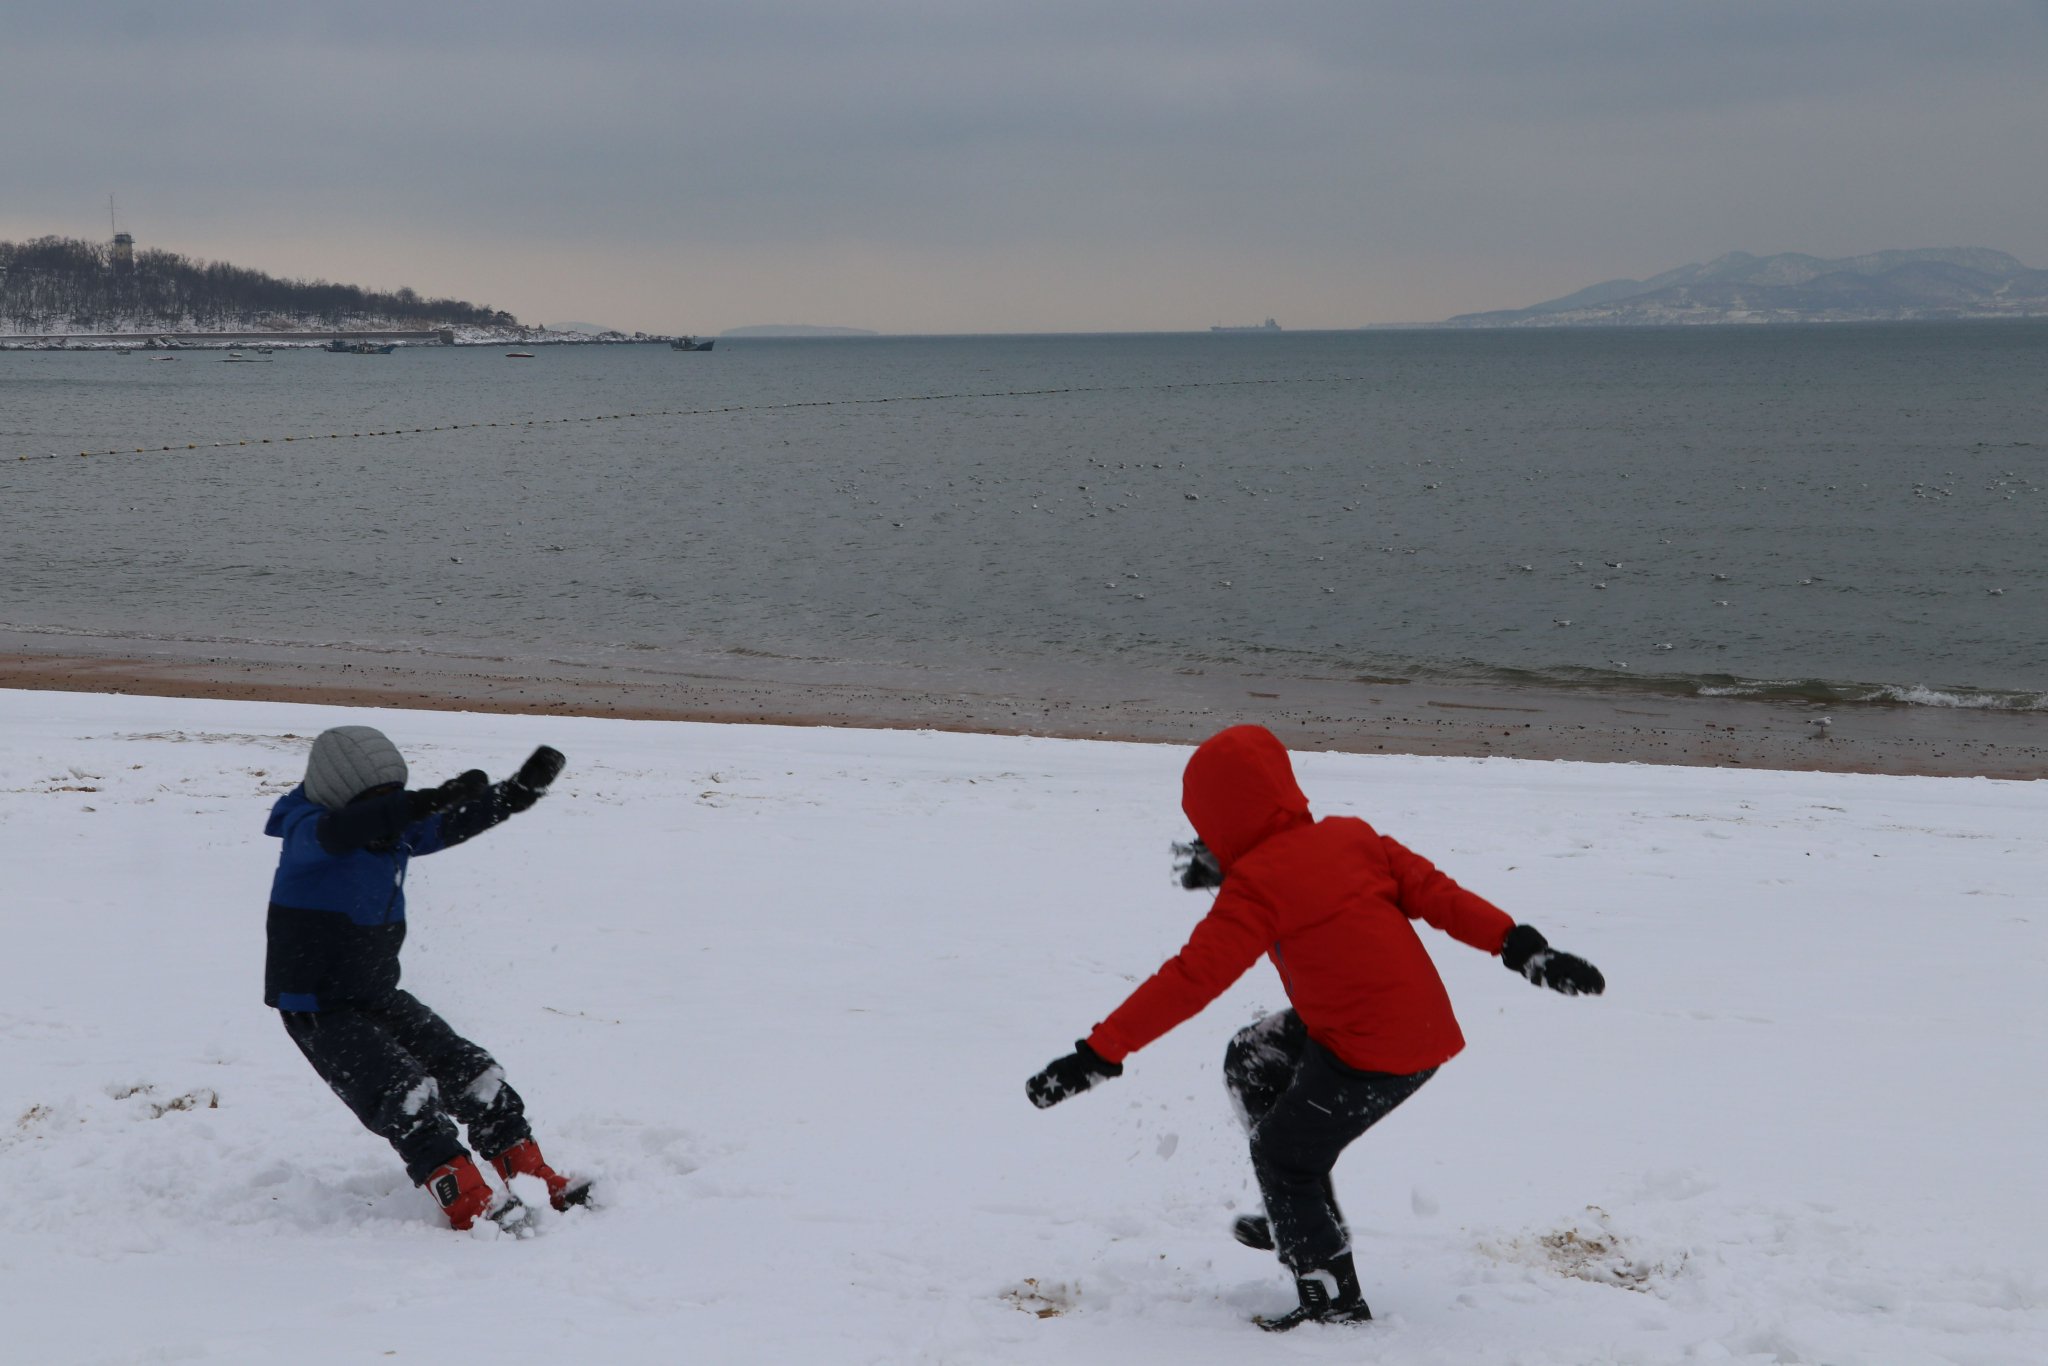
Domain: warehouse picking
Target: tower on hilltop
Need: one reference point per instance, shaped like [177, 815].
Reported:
[123, 255]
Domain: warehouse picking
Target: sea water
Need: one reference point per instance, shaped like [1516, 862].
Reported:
[1837, 512]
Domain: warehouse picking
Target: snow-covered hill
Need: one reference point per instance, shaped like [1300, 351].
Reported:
[1918, 284]
[780, 989]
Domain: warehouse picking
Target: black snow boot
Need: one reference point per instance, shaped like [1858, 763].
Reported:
[1328, 1295]
[1253, 1230]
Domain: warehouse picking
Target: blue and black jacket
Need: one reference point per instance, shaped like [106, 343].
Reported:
[337, 904]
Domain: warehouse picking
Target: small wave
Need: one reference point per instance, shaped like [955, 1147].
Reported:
[1876, 694]
[1832, 693]
[1776, 689]
[1919, 696]
[1820, 692]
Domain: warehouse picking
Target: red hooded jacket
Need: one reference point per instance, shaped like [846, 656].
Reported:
[1331, 902]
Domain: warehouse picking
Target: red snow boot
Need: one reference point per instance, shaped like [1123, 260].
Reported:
[523, 1159]
[464, 1196]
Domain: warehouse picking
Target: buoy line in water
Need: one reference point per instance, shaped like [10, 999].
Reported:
[687, 412]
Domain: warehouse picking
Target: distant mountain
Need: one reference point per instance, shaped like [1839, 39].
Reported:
[795, 330]
[63, 285]
[1929, 282]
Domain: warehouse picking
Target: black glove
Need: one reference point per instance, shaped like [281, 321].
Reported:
[1196, 866]
[457, 791]
[525, 787]
[540, 769]
[1526, 951]
[1070, 1076]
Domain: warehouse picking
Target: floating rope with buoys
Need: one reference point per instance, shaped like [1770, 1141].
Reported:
[689, 412]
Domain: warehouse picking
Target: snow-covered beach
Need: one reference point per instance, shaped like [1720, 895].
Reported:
[779, 988]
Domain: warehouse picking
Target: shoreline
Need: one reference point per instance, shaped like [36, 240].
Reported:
[101, 343]
[1352, 715]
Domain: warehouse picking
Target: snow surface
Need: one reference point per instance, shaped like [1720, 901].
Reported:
[780, 988]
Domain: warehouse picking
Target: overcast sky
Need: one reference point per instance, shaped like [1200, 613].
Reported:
[946, 166]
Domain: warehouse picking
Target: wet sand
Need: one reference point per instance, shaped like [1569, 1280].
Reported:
[1357, 715]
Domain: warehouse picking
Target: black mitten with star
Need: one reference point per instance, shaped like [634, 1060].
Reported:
[1079, 1071]
[1526, 951]
[1195, 866]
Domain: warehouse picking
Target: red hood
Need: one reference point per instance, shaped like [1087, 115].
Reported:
[1239, 790]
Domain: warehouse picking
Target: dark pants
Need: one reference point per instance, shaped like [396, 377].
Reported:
[409, 1077]
[1301, 1107]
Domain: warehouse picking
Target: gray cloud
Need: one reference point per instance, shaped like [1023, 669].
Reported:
[1035, 165]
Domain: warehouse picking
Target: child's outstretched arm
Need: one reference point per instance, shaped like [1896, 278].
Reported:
[1428, 893]
[1227, 941]
[383, 819]
[1466, 916]
[493, 803]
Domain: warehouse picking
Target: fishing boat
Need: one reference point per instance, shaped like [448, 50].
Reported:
[692, 344]
[360, 348]
[519, 355]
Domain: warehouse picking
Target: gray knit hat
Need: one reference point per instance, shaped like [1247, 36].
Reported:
[348, 761]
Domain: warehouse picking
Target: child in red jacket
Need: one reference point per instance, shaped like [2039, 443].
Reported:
[1331, 902]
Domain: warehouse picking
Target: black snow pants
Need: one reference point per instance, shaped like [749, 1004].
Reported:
[409, 1077]
[1301, 1107]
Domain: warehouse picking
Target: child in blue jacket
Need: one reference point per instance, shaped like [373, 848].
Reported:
[336, 922]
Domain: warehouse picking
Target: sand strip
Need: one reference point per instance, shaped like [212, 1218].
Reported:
[1352, 715]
